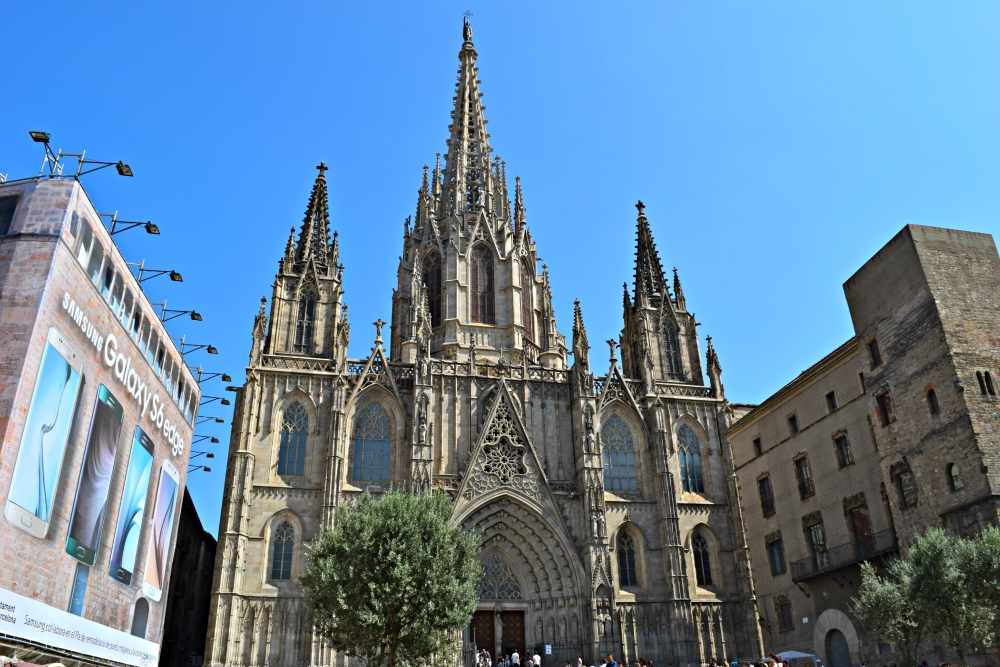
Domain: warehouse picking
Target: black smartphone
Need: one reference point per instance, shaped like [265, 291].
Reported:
[92, 490]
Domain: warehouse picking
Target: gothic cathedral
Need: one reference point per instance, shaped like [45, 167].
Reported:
[606, 503]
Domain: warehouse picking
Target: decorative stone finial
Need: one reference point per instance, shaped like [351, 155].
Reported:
[641, 207]
[467, 27]
[378, 330]
[612, 344]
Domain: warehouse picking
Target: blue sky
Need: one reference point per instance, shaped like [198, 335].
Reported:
[776, 145]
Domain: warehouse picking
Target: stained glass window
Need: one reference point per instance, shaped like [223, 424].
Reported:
[619, 456]
[626, 561]
[292, 445]
[689, 451]
[371, 445]
[281, 560]
[702, 560]
[304, 322]
[481, 285]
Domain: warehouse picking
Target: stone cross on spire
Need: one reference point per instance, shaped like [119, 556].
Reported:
[639, 205]
[467, 26]
[322, 169]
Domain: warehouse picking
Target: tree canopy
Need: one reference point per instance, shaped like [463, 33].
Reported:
[946, 589]
[393, 581]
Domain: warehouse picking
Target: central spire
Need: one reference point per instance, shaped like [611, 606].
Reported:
[468, 168]
[314, 239]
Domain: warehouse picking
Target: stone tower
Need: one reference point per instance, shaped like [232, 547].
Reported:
[606, 505]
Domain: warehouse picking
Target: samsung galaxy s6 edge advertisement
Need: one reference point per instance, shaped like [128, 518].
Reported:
[95, 478]
[158, 552]
[46, 432]
[131, 512]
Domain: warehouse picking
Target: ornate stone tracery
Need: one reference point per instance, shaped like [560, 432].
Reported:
[502, 460]
[498, 581]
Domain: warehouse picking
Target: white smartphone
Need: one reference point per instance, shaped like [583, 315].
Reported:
[45, 437]
[158, 550]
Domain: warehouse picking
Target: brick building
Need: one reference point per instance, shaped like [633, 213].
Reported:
[98, 406]
[893, 432]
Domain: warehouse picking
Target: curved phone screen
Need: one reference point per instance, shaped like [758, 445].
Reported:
[95, 479]
[163, 523]
[132, 509]
[46, 432]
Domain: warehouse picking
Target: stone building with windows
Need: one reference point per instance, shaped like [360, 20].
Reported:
[606, 502]
[894, 432]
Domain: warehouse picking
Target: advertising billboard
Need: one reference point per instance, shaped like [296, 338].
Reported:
[95, 445]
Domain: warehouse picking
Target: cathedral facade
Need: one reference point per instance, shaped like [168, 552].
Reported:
[605, 498]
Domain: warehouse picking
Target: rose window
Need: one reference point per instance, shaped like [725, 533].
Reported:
[504, 461]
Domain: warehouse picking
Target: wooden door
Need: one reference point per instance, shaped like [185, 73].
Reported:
[861, 525]
[513, 633]
[481, 631]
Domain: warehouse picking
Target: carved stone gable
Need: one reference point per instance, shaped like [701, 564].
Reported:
[503, 459]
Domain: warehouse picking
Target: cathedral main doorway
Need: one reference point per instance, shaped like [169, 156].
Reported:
[499, 632]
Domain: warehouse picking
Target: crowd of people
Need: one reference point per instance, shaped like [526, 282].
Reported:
[484, 659]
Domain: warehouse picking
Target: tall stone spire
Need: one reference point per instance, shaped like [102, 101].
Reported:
[679, 300]
[467, 172]
[649, 279]
[314, 238]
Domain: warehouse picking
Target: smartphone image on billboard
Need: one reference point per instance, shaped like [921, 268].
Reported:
[158, 552]
[46, 434]
[92, 490]
[131, 509]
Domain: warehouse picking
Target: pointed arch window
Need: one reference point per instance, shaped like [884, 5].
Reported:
[619, 456]
[626, 560]
[292, 444]
[689, 452]
[304, 321]
[671, 349]
[527, 308]
[702, 560]
[481, 285]
[371, 445]
[281, 559]
[432, 282]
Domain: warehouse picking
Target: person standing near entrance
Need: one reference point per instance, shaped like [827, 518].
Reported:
[610, 662]
[515, 658]
[536, 660]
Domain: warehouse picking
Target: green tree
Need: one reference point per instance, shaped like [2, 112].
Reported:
[883, 610]
[393, 581]
[981, 566]
[943, 593]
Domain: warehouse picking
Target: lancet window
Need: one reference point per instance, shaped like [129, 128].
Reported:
[498, 582]
[702, 560]
[626, 560]
[306, 314]
[671, 351]
[527, 308]
[371, 445]
[689, 452]
[481, 285]
[281, 558]
[619, 456]
[292, 443]
[432, 282]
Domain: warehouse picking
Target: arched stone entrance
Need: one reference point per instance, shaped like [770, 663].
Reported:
[825, 640]
[530, 587]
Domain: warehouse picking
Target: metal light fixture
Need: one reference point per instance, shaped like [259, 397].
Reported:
[211, 350]
[226, 378]
[208, 399]
[119, 226]
[39, 137]
[207, 455]
[123, 169]
[194, 348]
[193, 468]
[206, 418]
[196, 316]
[154, 273]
